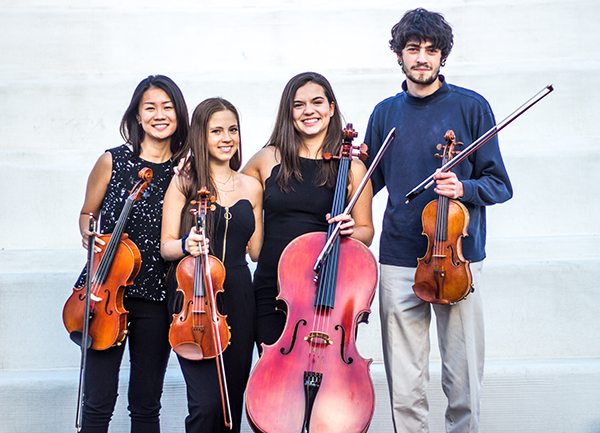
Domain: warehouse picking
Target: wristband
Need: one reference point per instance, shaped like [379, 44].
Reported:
[185, 252]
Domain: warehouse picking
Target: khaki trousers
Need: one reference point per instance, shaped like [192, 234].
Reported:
[405, 323]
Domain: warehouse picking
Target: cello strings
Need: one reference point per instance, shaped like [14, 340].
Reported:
[326, 286]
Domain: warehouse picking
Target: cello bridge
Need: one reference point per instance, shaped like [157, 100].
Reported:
[314, 335]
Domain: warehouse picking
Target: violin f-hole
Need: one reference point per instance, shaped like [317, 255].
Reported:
[106, 309]
[187, 312]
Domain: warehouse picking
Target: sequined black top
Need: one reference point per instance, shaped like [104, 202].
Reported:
[144, 222]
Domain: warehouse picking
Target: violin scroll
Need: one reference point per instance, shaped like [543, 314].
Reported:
[449, 151]
[204, 198]
[145, 176]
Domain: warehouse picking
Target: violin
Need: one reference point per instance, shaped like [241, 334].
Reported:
[443, 276]
[313, 378]
[199, 331]
[114, 268]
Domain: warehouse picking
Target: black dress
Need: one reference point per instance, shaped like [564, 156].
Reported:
[287, 215]
[237, 303]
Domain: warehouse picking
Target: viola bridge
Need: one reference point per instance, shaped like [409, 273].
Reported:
[95, 298]
[318, 335]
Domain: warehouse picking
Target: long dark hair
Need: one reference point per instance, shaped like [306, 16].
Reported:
[287, 140]
[132, 131]
[198, 171]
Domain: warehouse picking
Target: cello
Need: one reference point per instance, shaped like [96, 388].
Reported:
[199, 331]
[313, 379]
[443, 276]
[114, 268]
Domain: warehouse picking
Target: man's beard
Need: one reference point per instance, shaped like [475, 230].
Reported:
[421, 79]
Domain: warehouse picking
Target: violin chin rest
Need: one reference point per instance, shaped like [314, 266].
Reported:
[191, 351]
[427, 292]
[77, 337]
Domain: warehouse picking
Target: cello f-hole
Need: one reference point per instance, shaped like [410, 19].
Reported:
[285, 352]
[350, 360]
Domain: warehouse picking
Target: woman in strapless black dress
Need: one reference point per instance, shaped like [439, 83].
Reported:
[299, 186]
[234, 228]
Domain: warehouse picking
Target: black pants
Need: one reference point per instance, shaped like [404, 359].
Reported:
[205, 413]
[148, 352]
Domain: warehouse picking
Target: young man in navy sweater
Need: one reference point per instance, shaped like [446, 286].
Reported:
[422, 113]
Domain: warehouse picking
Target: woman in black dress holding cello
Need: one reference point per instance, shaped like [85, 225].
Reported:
[154, 126]
[299, 186]
[233, 228]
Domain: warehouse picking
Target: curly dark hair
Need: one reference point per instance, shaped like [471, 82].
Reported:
[422, 25]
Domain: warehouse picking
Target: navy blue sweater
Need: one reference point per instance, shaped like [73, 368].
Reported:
[420, 125]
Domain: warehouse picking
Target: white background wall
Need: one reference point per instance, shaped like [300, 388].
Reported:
[68, 69]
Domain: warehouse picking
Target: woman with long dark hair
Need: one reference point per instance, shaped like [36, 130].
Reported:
[213, 153]
[299, 186]
[154, 127]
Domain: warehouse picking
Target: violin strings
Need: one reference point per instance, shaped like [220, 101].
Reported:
[113, 243]
[198, 283]
[437, 235]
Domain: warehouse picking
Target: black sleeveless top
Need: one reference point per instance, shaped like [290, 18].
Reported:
[288, 215]
[144, 222]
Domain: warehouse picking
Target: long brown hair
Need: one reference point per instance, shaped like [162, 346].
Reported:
[197, 169]
[286, 139]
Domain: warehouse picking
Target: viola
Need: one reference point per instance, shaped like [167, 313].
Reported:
[443, 276]
[313, 378]
[115, 267]
[199, 331]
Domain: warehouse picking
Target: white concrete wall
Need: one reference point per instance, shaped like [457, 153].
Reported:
[67, 72]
